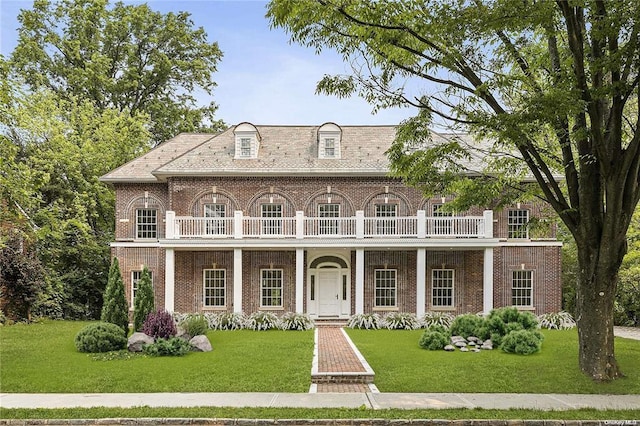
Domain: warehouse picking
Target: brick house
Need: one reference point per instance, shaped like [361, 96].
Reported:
[306, 219]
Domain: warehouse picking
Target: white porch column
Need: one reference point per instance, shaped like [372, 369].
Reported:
[488, 224]
[237, 280]
[359, 281]
[359, 225]
[169, 280]
[300, 281]
[170, 225]
[237, 224]
[299, 225]
[421, 284]
[422, 224]
[487, 281]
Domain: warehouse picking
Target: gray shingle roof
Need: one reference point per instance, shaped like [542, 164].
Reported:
[140, 169]
[284, 150]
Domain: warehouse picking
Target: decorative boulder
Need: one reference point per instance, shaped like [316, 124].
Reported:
[137, 341]
[201, 344]
[182, 334]
[460, 344]
[472, 339]
[455, 339]
[464, 349]
[449, 348]
[487, 345]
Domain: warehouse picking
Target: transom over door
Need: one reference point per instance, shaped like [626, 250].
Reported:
[329, 290]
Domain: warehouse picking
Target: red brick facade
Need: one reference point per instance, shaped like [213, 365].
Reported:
[186, 196]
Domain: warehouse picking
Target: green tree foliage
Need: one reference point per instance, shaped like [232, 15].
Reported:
[550, 90]
[143, 303]
[115, 309]
[56, 150]
[125, 57]
[21, 276]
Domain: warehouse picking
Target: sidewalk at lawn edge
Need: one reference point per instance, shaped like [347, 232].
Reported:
[376, 401]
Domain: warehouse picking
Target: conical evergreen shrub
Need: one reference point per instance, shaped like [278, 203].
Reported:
[144, 302]
[114, 308]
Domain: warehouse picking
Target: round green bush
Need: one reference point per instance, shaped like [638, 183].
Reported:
[466, 325]
[173, 346]
[523, 342]
[100, 337]
[433, 340]
[437, 327]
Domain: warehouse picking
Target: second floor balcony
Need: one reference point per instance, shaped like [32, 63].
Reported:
[302, 227]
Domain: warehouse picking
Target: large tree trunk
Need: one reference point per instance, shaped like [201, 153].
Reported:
[596, 291]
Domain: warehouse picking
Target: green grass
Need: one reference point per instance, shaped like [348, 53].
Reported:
[402, 366]
[311, 413]
[40, 358]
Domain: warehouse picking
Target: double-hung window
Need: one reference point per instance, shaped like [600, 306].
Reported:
[271, 288]
[329, 226]
[385, 288]
[245, 147]
[215, 222]
[386, 226]
[135, 279]
[517, 223]
[271, 219]
[214, 288]
[442, 286]
[522, 288]
[329, 148]
[442, 223]
[146, 223]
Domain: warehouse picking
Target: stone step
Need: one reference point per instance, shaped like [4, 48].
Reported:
[341, 377]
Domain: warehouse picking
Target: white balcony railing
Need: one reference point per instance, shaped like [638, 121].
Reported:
[301, 227]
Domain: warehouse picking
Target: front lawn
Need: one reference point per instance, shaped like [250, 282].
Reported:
[42, 357]
[402, 366]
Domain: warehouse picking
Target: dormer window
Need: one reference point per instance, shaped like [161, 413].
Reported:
[329, 135]
[245, 147]
[247, 141]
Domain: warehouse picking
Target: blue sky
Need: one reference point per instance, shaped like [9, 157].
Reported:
[262, 78]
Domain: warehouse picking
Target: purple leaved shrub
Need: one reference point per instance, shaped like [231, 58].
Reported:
[159, 324]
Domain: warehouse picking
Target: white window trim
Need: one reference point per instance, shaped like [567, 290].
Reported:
[135, 282]
[262, 306]
[531, 305]
[510, 223]
[204, 288]
[453, 288]
[157, 231]
[375, 286]
[323, 137]
[253, 145]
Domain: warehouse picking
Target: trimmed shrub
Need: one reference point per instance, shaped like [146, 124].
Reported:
[523, 342]
[226, 321]
[444, 319]
[159, 325]
[438, 328]
[115, 309]
[100, 337]
[502, 321]
[401, 321]
[466, 325]
[433, 340]
[143, 304]
[173, 346]
[557, 321]
[262, 321]
[295, 321]
[194, 325]
[365, 321]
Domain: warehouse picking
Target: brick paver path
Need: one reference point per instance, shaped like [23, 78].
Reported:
[335, 354]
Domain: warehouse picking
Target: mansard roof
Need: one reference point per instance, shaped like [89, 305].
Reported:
[283, 150]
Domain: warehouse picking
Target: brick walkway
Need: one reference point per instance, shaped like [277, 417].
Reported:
[338, 367]
[335, 354]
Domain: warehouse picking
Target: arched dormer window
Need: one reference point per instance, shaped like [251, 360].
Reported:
[329, 137]
[247, 141]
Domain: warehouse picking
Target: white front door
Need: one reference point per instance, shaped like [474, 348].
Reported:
[329, 292]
